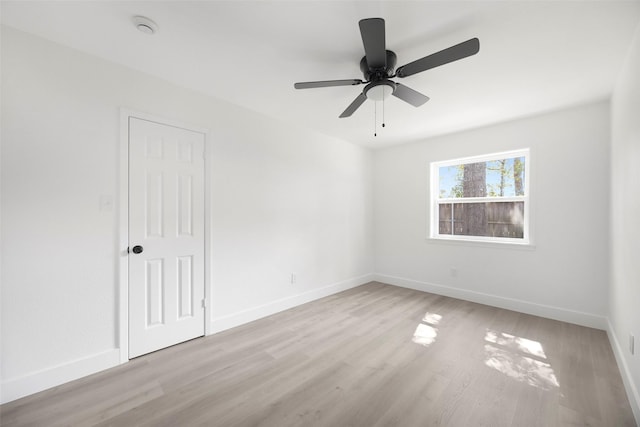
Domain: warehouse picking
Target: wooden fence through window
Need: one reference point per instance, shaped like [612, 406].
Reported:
[486, 219]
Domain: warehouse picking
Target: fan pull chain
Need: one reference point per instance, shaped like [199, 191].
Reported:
[375, 117]
[383, 112]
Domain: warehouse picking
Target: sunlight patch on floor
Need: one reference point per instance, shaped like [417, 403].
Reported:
[519, 358]
[513, 342]
[425, 335]
[431, 318]
[426, 331]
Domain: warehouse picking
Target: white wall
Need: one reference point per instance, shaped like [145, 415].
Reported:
[565, 274]
[624, 295]
[282, 200]
[286, 202]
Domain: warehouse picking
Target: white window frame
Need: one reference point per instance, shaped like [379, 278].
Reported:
[435, 200]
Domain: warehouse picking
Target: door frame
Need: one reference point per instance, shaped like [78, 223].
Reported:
[122, 297]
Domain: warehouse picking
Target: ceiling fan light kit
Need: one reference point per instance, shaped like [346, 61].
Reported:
[378, 67]
[378, 91]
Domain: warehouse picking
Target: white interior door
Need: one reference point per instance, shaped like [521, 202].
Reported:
[166, 235]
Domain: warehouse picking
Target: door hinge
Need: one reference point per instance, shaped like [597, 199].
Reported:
[204, 303]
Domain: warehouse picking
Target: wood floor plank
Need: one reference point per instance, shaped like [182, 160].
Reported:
[375, 355]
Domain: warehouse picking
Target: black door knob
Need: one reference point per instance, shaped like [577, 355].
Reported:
[137, 249]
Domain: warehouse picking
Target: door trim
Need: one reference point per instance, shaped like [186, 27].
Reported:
[122, 338]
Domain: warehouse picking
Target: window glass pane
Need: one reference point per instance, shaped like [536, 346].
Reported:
[495, 178]
[450, 180]
[505, 177]
[492, 219]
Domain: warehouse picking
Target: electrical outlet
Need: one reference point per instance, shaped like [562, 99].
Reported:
[631, 344]
[294, 279]
[454, 272]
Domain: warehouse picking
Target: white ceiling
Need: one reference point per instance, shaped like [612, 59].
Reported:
[535, 56]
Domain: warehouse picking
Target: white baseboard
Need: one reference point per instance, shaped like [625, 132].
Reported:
[222, 323]
[625, 373]
[35, 382]
[550, 312]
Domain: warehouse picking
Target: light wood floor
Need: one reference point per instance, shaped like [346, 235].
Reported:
[376, 355]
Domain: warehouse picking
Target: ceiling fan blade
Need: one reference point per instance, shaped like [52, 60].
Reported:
[409, 95]
[353, 106]
[327, 83]
[373, 39]
[459, 51]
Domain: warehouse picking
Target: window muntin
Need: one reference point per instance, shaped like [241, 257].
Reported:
[481, 198]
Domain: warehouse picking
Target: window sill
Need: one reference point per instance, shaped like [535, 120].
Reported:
[510, 245]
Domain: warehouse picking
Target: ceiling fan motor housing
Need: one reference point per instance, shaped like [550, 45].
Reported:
[372, 74]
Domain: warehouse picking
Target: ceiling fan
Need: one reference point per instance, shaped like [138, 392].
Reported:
[378, 68]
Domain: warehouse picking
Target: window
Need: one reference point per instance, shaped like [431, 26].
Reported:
[483, 198]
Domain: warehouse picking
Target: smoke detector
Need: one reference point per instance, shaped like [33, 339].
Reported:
[145, 25]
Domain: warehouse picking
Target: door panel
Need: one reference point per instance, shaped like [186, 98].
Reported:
[155, 205]
[185, 286]
[166, 218]
[154, 292]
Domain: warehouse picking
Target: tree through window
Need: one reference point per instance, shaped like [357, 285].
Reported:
[481, 198]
